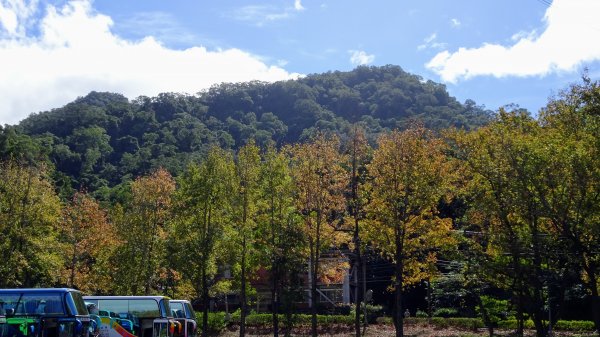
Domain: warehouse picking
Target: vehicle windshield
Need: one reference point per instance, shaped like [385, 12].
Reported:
[140, 308]
[79, 303]
[177, 309]
[191, 313]
[32, 304]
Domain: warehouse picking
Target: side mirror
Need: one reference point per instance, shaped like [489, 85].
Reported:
[10, 312]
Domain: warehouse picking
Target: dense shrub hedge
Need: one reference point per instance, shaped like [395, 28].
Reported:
[476, 323]
[300, 319]
[217, 322]
[559, 325]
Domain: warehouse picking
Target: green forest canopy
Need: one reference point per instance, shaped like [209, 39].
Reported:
[103, 139]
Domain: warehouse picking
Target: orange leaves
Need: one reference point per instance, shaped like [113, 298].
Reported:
[333, 270]
[89, 240]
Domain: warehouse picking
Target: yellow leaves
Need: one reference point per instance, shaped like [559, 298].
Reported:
[410, 175]
[29, 213]
[319, 181]
[333, 270]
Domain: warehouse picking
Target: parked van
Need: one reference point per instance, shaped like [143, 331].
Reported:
[44, 312]
[184, 313]
[134, 316]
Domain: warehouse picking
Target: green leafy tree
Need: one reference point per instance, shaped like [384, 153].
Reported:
[506, 163]
[569, 193]
[279, 240]
[244, 202]
[29, 215]
[203, 212]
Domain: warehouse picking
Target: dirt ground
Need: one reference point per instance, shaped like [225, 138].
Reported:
[381, 330]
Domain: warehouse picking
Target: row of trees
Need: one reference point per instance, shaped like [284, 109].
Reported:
[514, 203]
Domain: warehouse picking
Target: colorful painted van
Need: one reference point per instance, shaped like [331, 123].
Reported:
[184, 313]
[43, 312]
[134, 316]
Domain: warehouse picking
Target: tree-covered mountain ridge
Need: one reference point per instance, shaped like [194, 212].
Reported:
[103, 139]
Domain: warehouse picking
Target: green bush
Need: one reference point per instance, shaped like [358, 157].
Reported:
[440, 322]
[574, 326]
[421, 314]
[373, 311]
[512, 324]
[216, 322]
[559, 325]
[465, 323]
[445, 312]
[301, 319]
[496, 309]
[476, 323]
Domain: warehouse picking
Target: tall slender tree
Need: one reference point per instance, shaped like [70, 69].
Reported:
[89, 240]
[278, 232]
[29, 215]
[570, 191]
[319, 184]
[410, 177]
[144, 225]
[357, 152]
[247, 167]
[203, 212]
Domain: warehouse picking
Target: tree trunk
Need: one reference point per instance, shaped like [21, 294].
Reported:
[357, 297]
[313, 291]
[205, 303]
[596, 307]
[486, 318]
[398, 315]
[243, 292]
[537, 313]
[357, 301]
[274, 306]
[274, 273]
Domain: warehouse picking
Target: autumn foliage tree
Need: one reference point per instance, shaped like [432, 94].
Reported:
[89, 240]
[409, 177]
[357, 152]
[144, 226]
[319, 181]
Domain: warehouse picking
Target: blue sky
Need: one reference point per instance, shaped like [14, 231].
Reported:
[494, 52]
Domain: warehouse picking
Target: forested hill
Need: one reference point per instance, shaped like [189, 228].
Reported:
[103, 139]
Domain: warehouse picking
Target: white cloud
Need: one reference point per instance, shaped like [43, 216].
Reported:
[455, 22]
[263, 14]
[359, 57]
[76, 52]
[566, 43]
[14, 16]
[430, 42]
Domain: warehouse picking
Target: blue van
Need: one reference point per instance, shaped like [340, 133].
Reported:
[44, 312]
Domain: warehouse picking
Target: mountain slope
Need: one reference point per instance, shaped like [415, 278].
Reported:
[103, 139]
